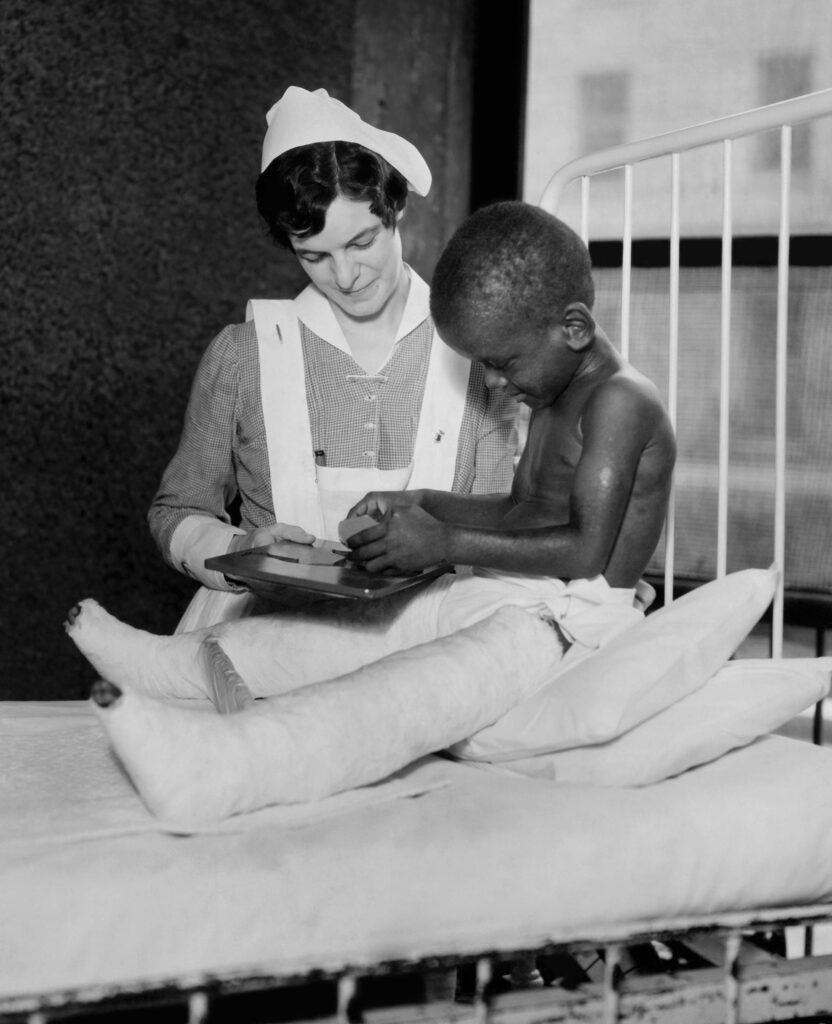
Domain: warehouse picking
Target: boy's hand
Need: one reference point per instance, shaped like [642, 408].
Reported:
[378, 503]
[406, 540]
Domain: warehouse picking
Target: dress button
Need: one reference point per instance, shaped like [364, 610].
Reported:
[369, 398]
[370, 455]
[369, 426]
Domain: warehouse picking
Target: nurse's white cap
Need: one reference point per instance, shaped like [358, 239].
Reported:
[300, 118]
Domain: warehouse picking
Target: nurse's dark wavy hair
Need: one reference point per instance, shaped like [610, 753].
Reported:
[296, 189]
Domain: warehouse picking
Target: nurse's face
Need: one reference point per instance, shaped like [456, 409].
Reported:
[355, 261]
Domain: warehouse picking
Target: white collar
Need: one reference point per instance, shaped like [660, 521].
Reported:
[314, 309]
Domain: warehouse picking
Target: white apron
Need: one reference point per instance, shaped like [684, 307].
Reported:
[321, 496]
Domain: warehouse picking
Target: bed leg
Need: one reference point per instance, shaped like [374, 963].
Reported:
[612, 983]
[733, 941]
[482, 1002]
[198, 1007]
[347, 989]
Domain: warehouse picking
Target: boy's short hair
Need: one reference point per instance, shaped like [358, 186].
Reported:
[295, 191]
[510, 263]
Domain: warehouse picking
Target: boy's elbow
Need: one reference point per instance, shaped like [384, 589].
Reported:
[589, 568]
[591, 559]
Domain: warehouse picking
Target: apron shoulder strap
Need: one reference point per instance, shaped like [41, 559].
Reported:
[285, 413]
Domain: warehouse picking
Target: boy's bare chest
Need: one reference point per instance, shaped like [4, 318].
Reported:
[552, 451]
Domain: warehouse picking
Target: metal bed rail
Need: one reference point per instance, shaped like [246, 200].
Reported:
[672, 144]
[731, 981]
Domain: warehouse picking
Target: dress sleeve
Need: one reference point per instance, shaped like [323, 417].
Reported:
[188, 518]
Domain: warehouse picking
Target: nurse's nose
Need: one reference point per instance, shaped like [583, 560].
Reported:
[494, 379]
[345, 271]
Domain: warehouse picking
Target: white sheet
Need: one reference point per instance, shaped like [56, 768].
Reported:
[480, 862]
[60, 782]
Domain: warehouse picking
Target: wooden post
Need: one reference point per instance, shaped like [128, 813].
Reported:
[412, 74]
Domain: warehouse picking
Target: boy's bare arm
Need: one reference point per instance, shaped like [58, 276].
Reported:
[618, 424]
[480, 510]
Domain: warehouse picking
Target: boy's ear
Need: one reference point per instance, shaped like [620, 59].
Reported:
[579, 325]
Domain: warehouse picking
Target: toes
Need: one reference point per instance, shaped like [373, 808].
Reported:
[72, 615]
[104, 693]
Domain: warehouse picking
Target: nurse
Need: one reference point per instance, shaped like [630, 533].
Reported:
[313, 402]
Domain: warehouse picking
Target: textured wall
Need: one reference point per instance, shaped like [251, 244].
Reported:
[131, 138]
[130, 236]
[413, 74]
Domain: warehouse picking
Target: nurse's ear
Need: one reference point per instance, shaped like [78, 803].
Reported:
[579, 326]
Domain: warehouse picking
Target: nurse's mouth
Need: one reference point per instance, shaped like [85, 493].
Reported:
[357, 291]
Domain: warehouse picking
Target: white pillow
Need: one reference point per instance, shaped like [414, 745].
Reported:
[648, 667]
[744, 700]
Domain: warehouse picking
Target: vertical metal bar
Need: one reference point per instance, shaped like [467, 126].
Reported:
[612, 984]
[808, 940]
[733, 940]
[672, 367]
[198, 1007]
[347, 987]
[725, 363]
[817, 722]
[585, 209]
[780, 395]
[482, 1003]
[627, 261]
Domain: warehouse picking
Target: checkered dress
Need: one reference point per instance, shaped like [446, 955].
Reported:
[358, 420]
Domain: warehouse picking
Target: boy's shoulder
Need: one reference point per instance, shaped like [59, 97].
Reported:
[628, 399]
[627, 382]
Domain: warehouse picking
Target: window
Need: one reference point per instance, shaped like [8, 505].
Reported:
[782, 76]
[604, 109]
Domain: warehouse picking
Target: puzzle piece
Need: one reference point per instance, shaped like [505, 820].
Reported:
[349, 527]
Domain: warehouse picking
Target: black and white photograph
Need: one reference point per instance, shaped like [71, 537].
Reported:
[417, 501]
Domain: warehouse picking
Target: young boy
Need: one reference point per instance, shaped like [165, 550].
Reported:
[514, 291]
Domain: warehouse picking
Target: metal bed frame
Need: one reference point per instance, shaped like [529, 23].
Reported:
[724, 967]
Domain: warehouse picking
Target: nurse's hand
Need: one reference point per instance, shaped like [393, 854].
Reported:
[268, 535]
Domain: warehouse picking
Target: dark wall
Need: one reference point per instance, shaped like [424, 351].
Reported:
[130, 237]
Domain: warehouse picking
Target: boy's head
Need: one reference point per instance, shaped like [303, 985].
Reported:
[509, 265]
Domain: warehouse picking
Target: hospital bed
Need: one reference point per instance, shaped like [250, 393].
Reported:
[689, 898]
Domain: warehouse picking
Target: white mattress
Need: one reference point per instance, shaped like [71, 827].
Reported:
[443, 859]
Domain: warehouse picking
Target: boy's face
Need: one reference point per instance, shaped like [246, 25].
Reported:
[530, 368]
[355, 261]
